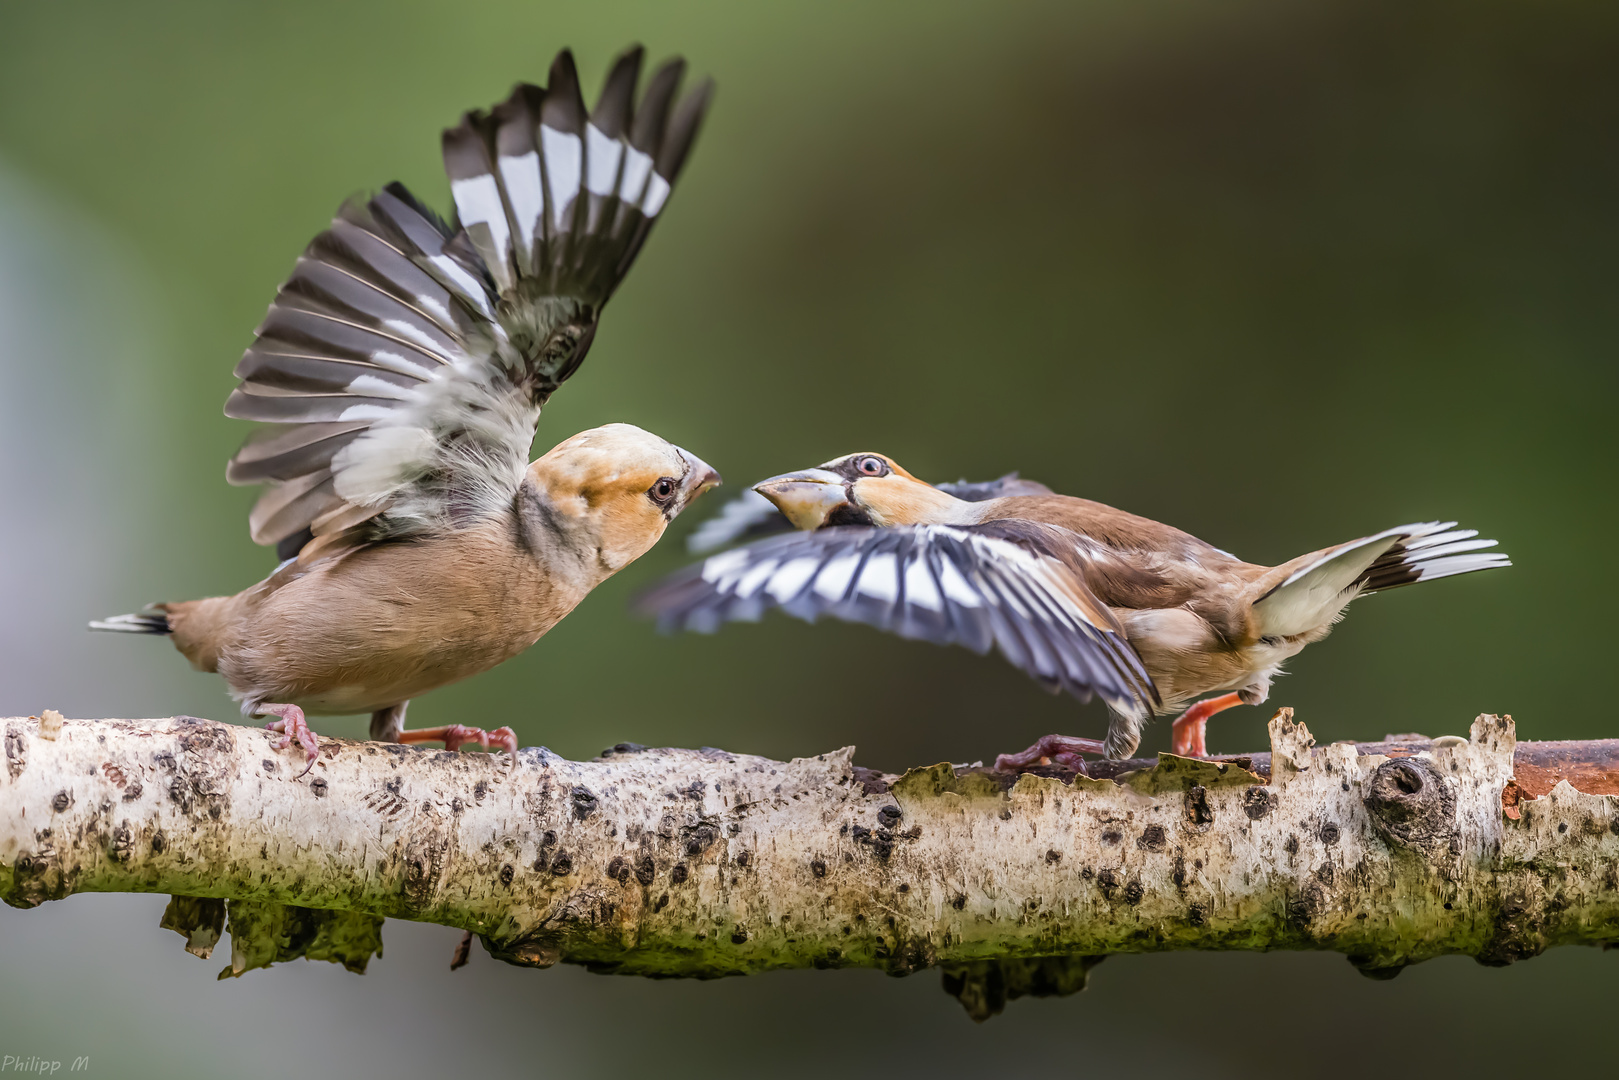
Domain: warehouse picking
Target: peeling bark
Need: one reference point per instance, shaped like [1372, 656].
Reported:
[704, 863]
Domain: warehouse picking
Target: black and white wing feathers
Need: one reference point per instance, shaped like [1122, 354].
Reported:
[1012, 587]
[406, 360]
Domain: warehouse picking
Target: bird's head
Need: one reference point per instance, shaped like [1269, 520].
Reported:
[617, 487]
[859, 489]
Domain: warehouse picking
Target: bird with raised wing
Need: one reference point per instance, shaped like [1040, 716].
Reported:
[403, 366]
[1083, 597]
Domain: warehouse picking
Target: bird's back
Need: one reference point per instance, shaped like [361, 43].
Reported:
[1134, 562]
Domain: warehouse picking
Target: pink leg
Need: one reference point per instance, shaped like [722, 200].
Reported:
[455, 736]
[292, 726]
[1059, 749]
[1187, 733]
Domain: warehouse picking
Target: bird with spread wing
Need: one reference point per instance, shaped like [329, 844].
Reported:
[403, 367]
[1083, 597]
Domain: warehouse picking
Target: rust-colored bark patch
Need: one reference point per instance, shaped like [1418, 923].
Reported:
[1592, 767]
[1511, 796]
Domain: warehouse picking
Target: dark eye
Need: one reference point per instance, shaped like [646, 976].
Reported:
[662, 491]
[872, 466]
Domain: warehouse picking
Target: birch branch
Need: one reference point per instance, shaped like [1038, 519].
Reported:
[704, 863]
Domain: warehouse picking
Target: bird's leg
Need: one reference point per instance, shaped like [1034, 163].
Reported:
[455, 736]
[292, 726]
[1059, 749]
[1187, 732]
[388, 725]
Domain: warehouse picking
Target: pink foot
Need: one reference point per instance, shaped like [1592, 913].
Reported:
[292, 726]
[1061, 750]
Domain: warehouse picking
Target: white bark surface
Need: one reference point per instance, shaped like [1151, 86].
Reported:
[681, 862]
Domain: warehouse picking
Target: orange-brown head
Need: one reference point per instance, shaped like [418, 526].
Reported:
[617, 487]
[860, 489]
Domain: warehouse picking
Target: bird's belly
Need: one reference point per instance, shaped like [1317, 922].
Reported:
[344, 701]
[393, 672]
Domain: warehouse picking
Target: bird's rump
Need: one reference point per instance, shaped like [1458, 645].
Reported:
[406, 360]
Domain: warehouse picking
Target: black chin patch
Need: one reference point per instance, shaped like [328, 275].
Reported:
[847, 514]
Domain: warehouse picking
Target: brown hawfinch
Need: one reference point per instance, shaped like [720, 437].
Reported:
[404, 364]
[1082, 597]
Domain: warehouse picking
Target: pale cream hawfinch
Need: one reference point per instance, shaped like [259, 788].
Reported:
[404, 364]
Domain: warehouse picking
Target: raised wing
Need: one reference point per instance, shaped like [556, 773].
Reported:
[751, 516]
[1318, 586]
[1013, 587]
[405, 361]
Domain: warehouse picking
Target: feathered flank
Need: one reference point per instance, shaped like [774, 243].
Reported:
[407, 359]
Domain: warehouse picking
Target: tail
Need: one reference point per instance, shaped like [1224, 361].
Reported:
[1316, 587]
[151, 619]
[1434, 552]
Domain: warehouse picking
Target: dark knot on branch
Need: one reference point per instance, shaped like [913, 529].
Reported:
[1411, 804]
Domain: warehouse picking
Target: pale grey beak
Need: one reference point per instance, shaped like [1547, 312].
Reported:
[806, 498]
[700, 476]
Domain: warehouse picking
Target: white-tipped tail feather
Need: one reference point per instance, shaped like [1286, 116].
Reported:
[1312, 596]
[149, 620]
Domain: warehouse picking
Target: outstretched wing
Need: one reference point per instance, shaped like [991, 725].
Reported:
[405, 361]
[751, 516]
[1011, 586]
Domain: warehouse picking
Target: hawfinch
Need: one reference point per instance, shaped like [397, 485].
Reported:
[404, 365]
[1082, 597]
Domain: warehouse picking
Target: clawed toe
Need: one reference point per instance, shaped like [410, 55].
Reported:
[1064, 750]
[455, 736]
[292, 726]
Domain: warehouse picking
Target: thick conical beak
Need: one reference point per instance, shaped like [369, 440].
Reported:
[699, 477]
[806, 498]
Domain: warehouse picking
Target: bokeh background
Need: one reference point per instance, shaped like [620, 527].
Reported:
[1280, 273]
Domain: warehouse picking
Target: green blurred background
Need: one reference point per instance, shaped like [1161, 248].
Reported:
[1278, 273]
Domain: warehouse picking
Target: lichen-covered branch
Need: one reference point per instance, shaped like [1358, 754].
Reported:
[703, 863]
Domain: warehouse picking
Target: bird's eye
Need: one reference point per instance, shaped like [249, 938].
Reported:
[872, 466]
[662, 491]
